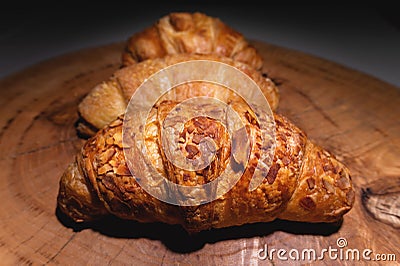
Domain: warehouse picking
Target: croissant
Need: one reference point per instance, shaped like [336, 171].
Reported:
[194, 33]
[109, 99]
[304, 182]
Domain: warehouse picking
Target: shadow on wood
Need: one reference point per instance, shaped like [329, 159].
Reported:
[175, 238]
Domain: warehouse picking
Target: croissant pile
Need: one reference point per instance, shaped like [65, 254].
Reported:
[303, 183]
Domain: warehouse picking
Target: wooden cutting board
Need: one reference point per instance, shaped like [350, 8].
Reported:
[355, 116]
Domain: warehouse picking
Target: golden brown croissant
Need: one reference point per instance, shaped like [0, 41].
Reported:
[304, 182]
[190, 33]
[108, 100]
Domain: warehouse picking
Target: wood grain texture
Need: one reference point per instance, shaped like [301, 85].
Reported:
[349, 113]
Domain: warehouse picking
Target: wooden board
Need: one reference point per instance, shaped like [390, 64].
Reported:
[355, 116]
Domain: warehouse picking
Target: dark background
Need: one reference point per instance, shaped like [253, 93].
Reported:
[365, 37]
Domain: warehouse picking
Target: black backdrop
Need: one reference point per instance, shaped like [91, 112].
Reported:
[364, 37]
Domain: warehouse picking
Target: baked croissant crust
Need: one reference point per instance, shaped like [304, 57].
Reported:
[109, 99]
[304, 183]
[193, 33]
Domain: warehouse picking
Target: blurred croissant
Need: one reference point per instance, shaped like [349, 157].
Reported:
[304, 183]
[109, 99]
[193, 34]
